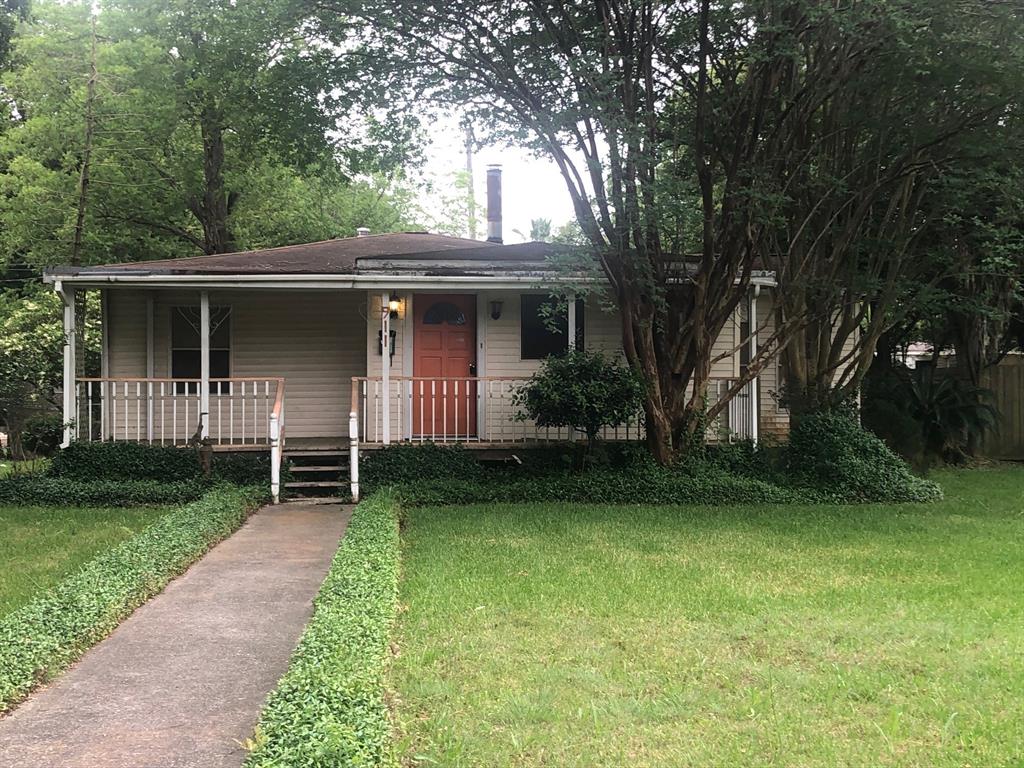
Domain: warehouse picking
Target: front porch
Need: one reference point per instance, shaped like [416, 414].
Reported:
[243, 349]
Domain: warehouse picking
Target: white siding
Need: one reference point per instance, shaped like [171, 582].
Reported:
[312, 339]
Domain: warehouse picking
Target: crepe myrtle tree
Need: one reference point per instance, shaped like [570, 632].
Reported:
[583, 391]
[669, 122]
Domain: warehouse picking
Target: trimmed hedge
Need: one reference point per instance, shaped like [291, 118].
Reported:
[832, 454]
[30, 490]
[407, 463]
[126, 461]
[329, 709]
[133, 462]
[49, 633]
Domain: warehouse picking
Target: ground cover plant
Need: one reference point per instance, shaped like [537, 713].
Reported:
[41, 545]
[329, 709]
[816, 635]
[50, 631]
[829, 457]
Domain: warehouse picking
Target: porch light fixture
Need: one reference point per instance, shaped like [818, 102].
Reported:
[496, 309]
[394, 305]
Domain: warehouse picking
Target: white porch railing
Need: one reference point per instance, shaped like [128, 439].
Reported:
[477, 409]
[243, 413]
[482, 410]
[168, 411]
[737, 421]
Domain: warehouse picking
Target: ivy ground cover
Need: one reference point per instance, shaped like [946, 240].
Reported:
[819, 635]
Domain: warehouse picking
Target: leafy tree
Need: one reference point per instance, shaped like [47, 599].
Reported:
[31, 359]
[199, 110]
[888, 167]
[655, 111]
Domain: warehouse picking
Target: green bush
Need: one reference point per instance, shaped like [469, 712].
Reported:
[42, 435]
[49, 633]
[126, 461]
[581, 390]
[831, 453]
[329, 709]
[405, 463]
[68, 492]
[654, 485]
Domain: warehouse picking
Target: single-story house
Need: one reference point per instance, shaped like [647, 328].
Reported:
[350, 344]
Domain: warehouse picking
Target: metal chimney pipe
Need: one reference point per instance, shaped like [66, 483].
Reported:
[494, 204]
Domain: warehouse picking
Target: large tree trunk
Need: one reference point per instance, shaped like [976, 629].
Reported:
[215, 207]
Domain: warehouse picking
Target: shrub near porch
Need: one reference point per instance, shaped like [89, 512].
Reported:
[821, 635]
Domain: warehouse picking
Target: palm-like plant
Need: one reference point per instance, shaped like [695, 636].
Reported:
[953, 414]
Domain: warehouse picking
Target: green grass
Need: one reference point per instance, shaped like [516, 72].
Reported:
[560, 635]
[41, 545]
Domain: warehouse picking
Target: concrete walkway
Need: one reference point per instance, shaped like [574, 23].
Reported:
[182, 680]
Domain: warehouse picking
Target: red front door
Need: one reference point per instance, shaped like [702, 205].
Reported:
[444, 359]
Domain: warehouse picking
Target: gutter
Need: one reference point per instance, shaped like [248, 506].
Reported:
[320, 281]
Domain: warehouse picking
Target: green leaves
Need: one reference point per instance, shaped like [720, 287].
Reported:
[830, 452]
[582, 390]
[237, 118]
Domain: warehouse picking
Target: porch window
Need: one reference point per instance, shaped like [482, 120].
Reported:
[545, 331]
[186, 361]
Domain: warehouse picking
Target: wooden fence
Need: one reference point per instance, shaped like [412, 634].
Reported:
[1006, 381]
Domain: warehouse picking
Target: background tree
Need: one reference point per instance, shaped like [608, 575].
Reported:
[31, 361]
[200, 109]
[880, 161]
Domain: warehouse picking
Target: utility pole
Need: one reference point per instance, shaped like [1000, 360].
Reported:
[470, 189]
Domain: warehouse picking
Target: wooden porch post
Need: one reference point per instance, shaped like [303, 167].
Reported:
[385, 367]
[70, 399]
[204, 363]
[105, 392]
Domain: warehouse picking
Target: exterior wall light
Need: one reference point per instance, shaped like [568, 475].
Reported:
[394, 305]
[496, 309]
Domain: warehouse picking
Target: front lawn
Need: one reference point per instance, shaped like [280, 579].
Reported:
[41, 545]
[562, 635]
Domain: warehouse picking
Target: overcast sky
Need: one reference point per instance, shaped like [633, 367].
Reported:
[531, 188]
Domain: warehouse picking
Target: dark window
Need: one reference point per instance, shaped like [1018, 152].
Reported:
[444, 312]
[186, 351]
[545, 330]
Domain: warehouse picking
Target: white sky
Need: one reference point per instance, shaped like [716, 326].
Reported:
[532, 188]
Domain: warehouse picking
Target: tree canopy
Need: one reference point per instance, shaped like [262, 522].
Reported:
[700, 141]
